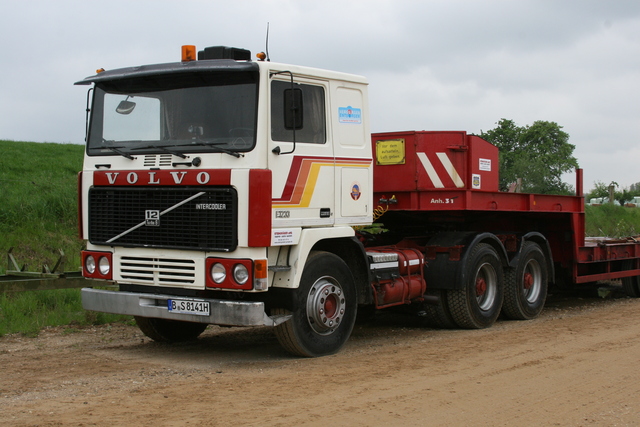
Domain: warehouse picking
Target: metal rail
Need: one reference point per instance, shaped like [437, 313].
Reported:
[19, 280]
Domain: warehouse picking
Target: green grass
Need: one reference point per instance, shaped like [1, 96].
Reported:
[612, 221]
[39, 217]
[38, 202]
[29, 312]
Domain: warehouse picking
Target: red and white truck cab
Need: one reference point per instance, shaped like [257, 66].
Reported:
[207, 183]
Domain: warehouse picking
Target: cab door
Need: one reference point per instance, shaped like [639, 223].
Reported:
[301, 153]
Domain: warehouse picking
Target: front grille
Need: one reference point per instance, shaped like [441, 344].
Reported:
[163, 218]
[159, 271]
[162, 160]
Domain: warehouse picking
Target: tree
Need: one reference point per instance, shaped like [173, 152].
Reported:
[623, 197]
[600, 189]
[539, 154]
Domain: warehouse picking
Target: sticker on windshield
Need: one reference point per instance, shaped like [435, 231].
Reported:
[350, 115]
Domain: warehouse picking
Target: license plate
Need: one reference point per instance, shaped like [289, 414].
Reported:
[182, 306]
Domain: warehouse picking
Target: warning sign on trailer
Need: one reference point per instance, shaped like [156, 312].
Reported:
[390, 152]
[485, 165]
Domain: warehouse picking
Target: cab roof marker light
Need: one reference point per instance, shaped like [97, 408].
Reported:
[188, 53]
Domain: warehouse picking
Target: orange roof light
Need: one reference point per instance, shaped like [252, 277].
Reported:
[261, 56]
[188, 53]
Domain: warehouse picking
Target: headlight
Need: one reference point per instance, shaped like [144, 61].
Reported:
[90, 264]
[103, 266]
[218, 273]
[240, 274]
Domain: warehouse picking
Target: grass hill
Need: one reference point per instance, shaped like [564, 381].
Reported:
[38, 202]
[38, 217]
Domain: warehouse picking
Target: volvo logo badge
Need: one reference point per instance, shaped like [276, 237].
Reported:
[152, 218]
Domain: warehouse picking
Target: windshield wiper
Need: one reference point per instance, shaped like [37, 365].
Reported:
[216, 146]
[117, 150]
[161, 148]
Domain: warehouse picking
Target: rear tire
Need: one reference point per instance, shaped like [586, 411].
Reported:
[477, 305]
[165, 330]
[438, 315]
[325, 308]
[525, 288]
[631, 285]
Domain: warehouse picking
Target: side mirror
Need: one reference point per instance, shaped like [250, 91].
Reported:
[293, 112]
[125, 107]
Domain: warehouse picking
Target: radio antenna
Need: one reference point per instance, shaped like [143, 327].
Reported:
[267, 44]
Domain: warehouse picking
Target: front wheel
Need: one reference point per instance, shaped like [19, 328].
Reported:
[526, 285]
[477, 304]
[166, 330]
[324, 310]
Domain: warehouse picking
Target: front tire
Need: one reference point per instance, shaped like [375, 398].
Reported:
[166, 330]
[324, 310]
[477, 305]
[526, 286]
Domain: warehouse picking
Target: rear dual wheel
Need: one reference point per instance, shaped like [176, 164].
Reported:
[526, 286]
[438, 315]
[631, 285]
[477, 304]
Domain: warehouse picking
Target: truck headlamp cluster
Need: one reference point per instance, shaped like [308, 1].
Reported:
[104, 266]
[97, 265]
[218, 273]
[90, 264]
[241, 274]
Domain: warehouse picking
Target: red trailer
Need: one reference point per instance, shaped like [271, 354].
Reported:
[485, 251]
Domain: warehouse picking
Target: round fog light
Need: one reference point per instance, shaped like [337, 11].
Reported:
[240, 274]
[104, 266]
[90, 264]
[218, 273]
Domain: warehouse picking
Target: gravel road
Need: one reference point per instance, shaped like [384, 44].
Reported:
[576, 365]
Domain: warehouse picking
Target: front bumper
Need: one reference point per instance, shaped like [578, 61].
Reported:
[223, 312]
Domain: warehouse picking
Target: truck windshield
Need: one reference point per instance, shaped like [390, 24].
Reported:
[176, 114]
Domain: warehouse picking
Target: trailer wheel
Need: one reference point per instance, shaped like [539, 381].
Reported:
[477, 305]
[166, 330]
[525, 288]
[631, 285]
[325, 308]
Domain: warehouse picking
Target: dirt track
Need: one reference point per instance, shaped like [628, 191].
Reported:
[577, 365]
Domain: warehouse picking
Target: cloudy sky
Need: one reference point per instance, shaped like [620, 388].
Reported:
[431, 65]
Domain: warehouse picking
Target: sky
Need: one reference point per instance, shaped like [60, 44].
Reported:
[431, 65]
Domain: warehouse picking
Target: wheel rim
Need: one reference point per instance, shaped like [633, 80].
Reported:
[325, 305]
[532, 281]
[486, 286]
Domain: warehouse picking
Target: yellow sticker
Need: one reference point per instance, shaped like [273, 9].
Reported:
[390, 152]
